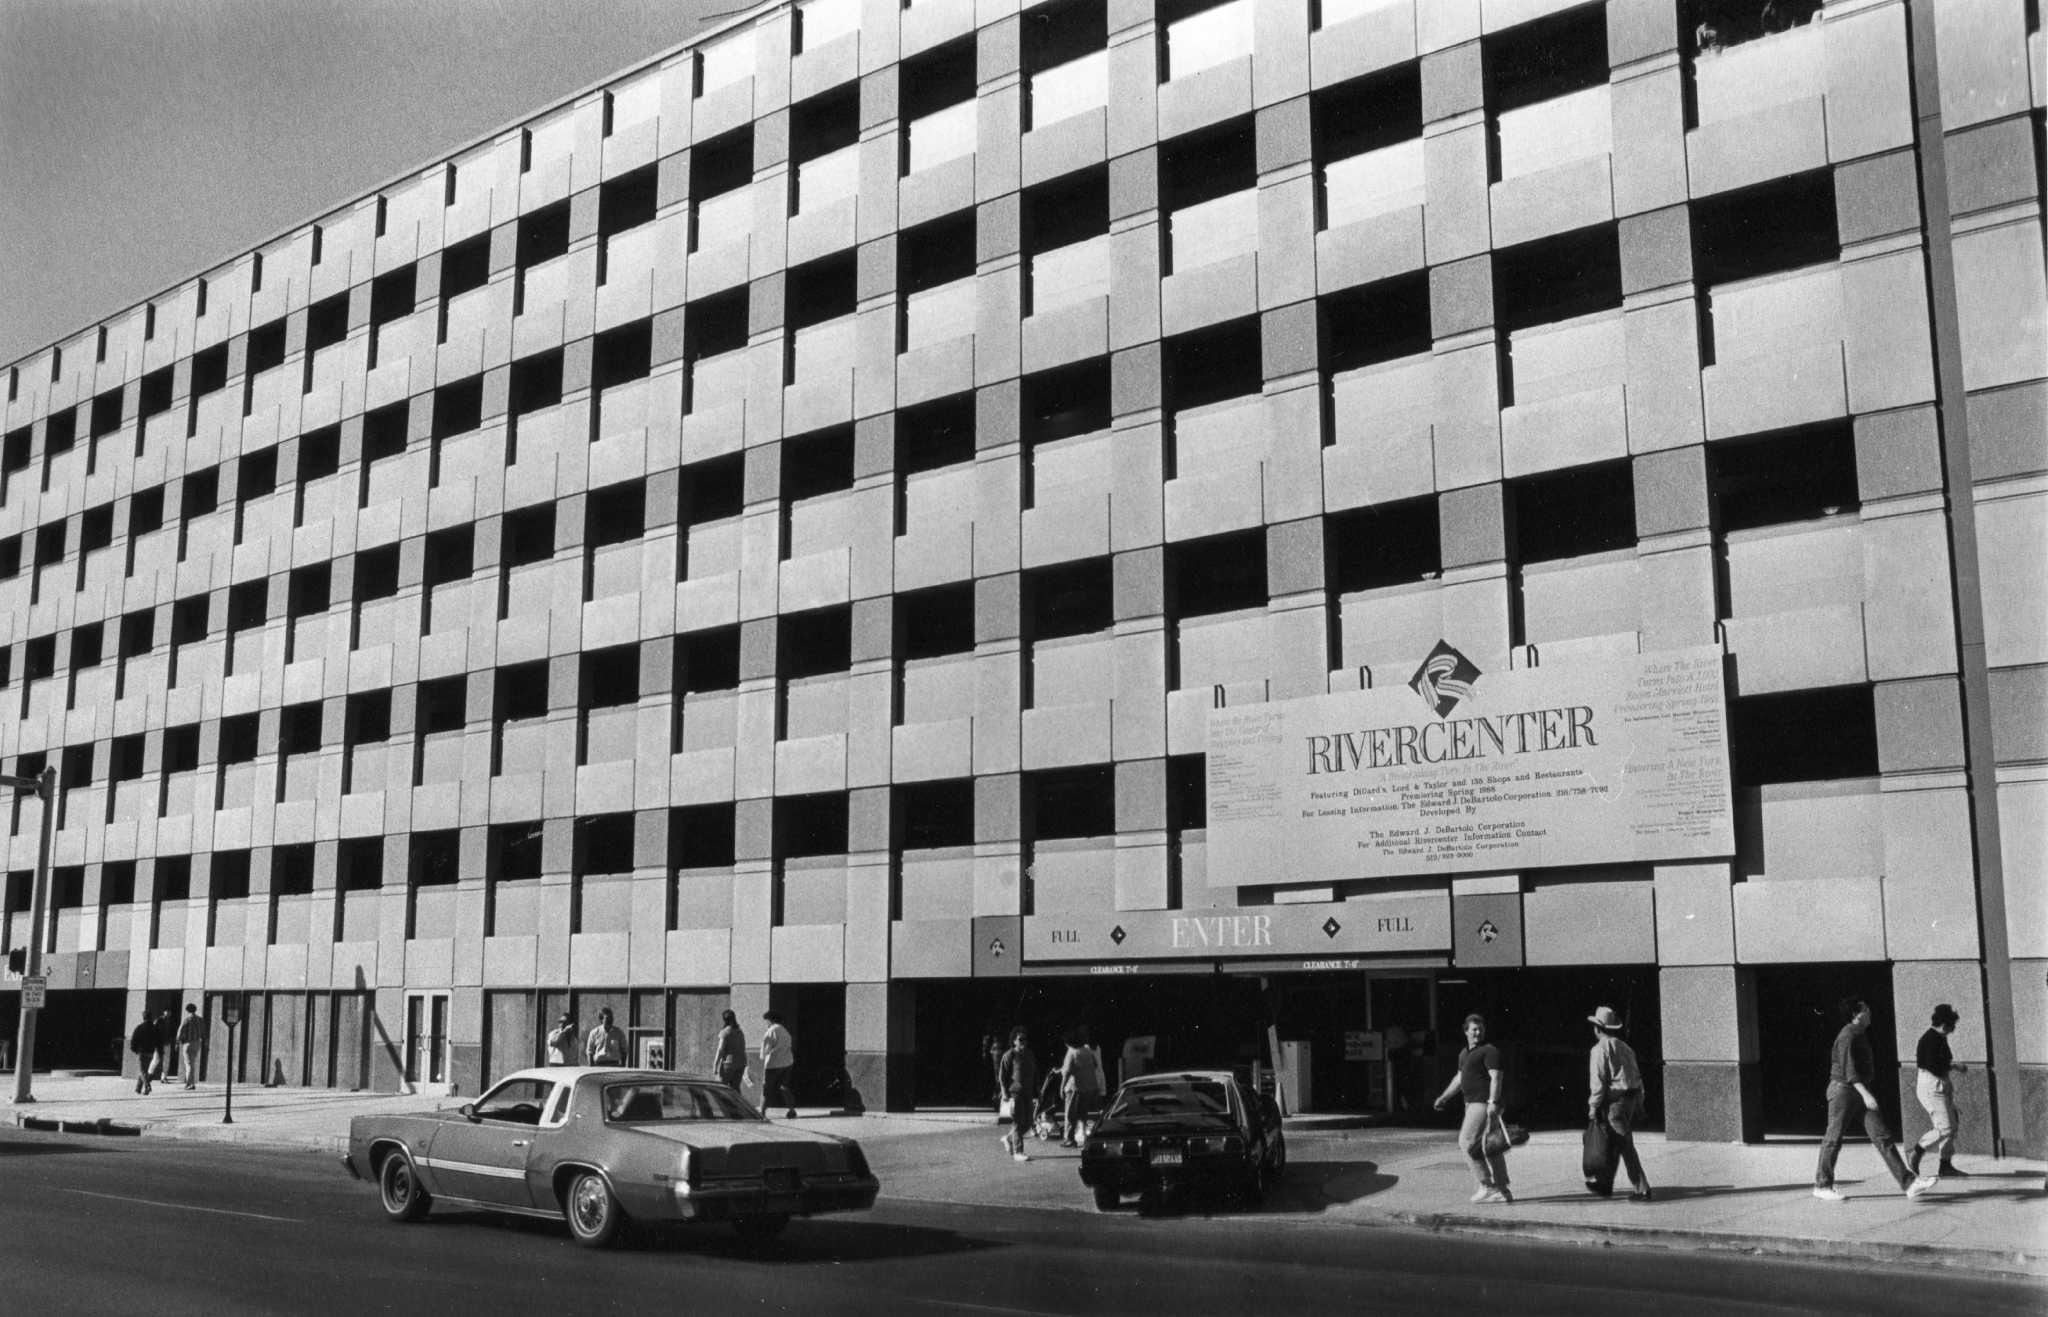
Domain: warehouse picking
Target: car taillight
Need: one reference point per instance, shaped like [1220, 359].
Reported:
[856, 1160]
[686, 1172]
[1210, 1146]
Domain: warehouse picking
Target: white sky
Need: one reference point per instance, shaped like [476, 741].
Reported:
[142, 141]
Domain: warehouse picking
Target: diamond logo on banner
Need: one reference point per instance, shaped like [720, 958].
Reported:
[1331, 927]
[1117, 935]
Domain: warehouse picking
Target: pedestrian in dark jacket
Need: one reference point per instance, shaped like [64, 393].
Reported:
[144, 1042]
[1018, 1074]
[1935, 1088]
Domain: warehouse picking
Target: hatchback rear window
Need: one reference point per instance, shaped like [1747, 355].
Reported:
[1191, 1097]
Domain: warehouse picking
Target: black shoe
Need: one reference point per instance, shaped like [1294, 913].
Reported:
[1950, 1168]
[1913, 1156]
[1641, 1195]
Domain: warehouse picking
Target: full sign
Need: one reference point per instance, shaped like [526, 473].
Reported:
[1408, 922]
[35, 992]
[1599, 762]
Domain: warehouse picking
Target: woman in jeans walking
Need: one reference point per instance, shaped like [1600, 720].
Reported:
[1478, 1081]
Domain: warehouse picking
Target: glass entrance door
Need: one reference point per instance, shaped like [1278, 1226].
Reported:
[426, 1032]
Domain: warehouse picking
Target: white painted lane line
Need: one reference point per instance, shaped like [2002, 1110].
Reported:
[181, 1207]
[954, 1305]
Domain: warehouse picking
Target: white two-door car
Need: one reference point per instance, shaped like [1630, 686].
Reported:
[598, 1147]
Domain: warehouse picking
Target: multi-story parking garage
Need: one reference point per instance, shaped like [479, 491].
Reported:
[899, 511]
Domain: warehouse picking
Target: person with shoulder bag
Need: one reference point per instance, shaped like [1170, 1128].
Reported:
[1483, 1134]
[730, 1060]
[1080, 1084]
[1018, 1072]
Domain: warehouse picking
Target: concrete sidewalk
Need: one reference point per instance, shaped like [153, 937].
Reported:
[1754, 1198]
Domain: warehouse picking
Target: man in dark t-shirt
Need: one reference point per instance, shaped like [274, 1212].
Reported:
[1851, 1072]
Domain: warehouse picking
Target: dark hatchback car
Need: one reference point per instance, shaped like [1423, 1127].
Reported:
[1198, 1130]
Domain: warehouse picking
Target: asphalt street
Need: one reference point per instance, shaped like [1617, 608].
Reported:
[101, 1225]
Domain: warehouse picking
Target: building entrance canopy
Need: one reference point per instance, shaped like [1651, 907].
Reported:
[1368, 926]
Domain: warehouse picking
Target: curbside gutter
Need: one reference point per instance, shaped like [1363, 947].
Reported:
[2025, 1265]
[2015, 1264]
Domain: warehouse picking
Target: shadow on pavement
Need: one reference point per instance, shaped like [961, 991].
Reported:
[827, 1239]
[1308, 1189]
[1666, 1193]
[832, 1239]
[26, 1148]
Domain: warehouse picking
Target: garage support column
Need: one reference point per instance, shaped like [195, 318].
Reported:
[1712, 1085]
[387, 1041]
[880, 1042]
[2006, 1108]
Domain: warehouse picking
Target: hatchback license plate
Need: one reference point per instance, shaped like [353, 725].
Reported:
[1166, 1157]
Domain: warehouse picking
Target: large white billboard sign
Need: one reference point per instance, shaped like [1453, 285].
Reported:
[1604, 762]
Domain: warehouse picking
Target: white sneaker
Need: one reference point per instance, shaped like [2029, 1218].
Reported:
[1920, 1186]
[1020, 1156]
[1828, 1193]
[1481, 1195]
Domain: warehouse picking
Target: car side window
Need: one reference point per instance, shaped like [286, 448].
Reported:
[518, 1101]
[557, 1110]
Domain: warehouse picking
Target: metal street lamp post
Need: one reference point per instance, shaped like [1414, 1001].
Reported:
[44, 787]
[230, 1015]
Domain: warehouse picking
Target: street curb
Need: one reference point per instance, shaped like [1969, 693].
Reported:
[251, 1136]
[2028, 1266]
[2025, 1265]
[101, 1125]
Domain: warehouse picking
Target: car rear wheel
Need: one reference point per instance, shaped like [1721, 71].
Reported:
[594, 1215]
[1106, 1198]
[761, 1229]
[398, 1185]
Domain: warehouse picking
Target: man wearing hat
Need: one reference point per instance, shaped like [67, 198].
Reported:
[1937, 1093]
[1617, 1094]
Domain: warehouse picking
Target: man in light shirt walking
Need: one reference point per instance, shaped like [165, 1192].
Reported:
[1617, 1094]
[778, 1058]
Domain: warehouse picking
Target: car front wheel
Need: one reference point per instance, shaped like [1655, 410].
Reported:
[594, 1215]
[761, 1229]
[398, 1184]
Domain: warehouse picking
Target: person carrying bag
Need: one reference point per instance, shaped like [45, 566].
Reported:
[1478, 1082]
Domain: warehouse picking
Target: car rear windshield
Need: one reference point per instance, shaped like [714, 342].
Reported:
[635, 1103]
[1200, 1097]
